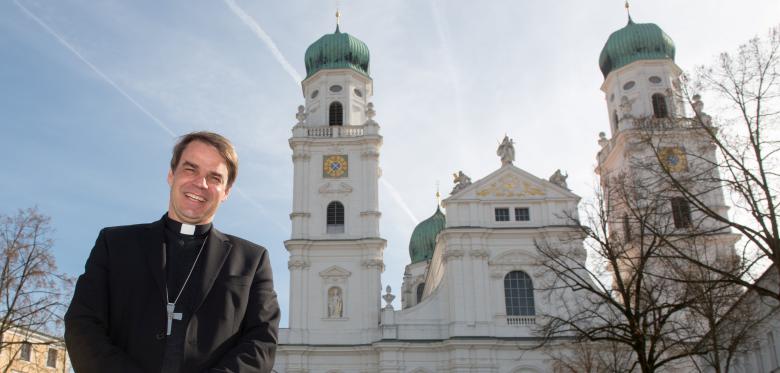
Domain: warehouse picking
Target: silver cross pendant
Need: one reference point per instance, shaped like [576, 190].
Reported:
[172, 316]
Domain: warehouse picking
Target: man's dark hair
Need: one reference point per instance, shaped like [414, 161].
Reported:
[222, 144]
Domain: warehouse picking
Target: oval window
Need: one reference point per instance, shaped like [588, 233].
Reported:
[654, 79]
[358, 93]
[612, 97]
[315, 93]
[335, 88]
[629, 85]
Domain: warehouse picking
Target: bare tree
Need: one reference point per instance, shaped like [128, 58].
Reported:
[31, 289]
[743, 138]
[636, 295]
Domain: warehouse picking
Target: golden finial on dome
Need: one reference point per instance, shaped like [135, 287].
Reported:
[438, 196]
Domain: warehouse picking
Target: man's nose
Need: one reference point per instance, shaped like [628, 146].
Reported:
[201, 182]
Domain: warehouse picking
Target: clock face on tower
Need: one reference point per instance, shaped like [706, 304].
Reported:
[673, 159]
[335, 165]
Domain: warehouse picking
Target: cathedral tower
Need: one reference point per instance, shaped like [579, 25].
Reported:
[335, 249]
[651, 135]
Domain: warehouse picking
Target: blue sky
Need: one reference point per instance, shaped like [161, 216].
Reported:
[92, 92]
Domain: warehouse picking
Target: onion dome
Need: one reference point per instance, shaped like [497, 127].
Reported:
[636, 41]
[337, 51]
[423, 239]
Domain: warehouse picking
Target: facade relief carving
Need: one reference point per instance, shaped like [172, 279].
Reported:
[334, 188]
[510, 186]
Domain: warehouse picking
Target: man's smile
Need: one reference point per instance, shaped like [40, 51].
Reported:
[195, 197]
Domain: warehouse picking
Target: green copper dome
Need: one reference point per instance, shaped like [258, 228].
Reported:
[337, 51]
[423, 239]
[636, 41]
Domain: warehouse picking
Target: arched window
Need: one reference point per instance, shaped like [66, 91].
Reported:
[335, 114]
[614, 121]
[335, 218]
[420, 289]
[519, 294]
[659, 106]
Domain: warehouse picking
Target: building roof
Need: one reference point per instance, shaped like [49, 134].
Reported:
[634, 42]
[423, 240]
[337, 51]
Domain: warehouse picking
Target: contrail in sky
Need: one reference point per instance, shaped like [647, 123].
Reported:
[397, 197]
[258, 31]
[119, 89]
[95, 69]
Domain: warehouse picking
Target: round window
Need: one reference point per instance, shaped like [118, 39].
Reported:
[654, 79]
[358, 93]
[629, 85]
[335, 88]
[315, 93]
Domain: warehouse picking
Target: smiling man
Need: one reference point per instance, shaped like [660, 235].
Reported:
[177, 295]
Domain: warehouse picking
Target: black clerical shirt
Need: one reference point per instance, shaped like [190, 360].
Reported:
[181, 251]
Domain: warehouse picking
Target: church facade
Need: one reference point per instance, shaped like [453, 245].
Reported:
[470, 296]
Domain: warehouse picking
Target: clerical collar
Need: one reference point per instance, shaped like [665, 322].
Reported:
[186, 229]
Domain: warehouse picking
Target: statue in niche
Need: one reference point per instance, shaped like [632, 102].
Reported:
[335, 303]
[626, 106]
[461, 181]
[506, 150]
[559, 179]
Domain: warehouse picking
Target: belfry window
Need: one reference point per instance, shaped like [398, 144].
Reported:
[659, 106]
[335, 218]
[420, 289]
[336, 114]
[519, 294]
[615, 121]
[681, 213]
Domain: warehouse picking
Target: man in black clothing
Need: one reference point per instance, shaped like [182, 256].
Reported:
[177, 295]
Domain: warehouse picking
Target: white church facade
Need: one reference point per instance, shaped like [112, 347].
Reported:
[469, 300]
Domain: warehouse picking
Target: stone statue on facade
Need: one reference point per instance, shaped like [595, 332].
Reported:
[626, 106]
[698, 109]
[603, 139]
[388, 297]
[300, 115]
[335, 303]
[559, 179]
[506, 150]
[461, 181]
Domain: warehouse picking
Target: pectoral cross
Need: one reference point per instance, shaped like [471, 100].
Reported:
[172, 316]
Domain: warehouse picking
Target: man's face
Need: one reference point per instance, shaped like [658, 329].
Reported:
[198, 184]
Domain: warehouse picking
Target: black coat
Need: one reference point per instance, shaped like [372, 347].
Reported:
[116, 322]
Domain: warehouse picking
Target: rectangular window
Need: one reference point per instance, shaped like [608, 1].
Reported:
[626, 228]
[681, 212]
[25, 352]
[502, 214]
[51, 359]
[522, 214]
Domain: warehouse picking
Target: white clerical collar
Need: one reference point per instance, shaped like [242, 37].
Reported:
[187, 229]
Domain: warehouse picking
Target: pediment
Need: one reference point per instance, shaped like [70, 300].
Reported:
[510, 182]
[335, 272]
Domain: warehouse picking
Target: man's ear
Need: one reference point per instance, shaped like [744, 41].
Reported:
[170, 178]
[227, 193]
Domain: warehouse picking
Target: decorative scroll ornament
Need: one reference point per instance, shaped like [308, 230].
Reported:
[510, 186]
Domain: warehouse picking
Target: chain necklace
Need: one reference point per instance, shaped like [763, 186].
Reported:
[170, 306]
